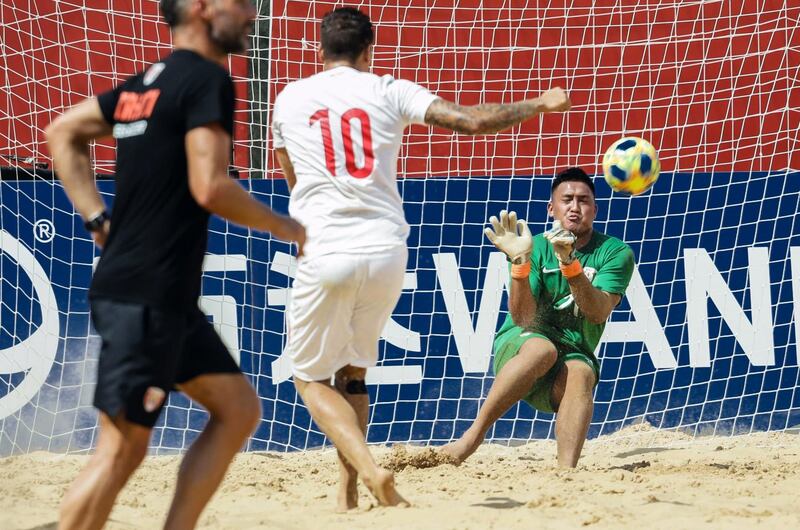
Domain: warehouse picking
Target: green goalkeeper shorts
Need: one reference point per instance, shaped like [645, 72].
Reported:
[507, 346]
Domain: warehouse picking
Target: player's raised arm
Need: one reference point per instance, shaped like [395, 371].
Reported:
[208, 154]
[513, 238]
[490, 118]
[68, 138]
[595, 304]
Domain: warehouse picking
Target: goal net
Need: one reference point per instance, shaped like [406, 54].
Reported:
[705, 340]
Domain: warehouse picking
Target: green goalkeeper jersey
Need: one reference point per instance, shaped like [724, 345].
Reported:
[607, 262]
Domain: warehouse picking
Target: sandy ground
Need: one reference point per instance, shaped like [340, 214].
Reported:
[639, 478]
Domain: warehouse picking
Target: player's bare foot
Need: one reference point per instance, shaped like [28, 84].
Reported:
[348, 496]
[461, 449]
[382, 487]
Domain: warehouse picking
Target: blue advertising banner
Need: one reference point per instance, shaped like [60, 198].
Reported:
[705, 339]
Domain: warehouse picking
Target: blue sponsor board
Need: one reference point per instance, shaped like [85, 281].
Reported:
[714, 253]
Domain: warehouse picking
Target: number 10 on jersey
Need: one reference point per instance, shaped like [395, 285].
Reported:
[323, 117]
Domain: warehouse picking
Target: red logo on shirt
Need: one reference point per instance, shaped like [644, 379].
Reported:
[132, 106]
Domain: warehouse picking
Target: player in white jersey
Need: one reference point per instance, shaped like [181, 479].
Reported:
[337, 136]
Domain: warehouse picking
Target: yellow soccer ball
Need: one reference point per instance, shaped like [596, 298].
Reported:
[631, 166]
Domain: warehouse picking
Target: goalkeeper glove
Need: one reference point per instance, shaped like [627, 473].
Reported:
[563, 242]
[511, 236]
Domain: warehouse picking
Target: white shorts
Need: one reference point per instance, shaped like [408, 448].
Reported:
[339, 307]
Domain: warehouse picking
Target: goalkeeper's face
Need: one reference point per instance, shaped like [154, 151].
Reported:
[573, 204]
[230, 28]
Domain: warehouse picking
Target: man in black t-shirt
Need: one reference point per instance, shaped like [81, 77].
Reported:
[173, 125]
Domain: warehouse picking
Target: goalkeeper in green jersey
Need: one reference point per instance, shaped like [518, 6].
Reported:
[564, 285]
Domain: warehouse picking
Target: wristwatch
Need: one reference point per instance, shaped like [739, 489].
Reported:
[96, 223]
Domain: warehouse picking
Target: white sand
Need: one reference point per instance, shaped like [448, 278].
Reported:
[638, 479]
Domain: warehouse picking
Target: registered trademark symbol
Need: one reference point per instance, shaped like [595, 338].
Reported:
[44, 231]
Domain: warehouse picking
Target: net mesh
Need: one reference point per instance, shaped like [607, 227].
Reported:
[712, 84]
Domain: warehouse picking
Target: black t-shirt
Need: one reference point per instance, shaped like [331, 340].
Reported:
[154, 253]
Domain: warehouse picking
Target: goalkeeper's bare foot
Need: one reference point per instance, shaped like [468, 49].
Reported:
[382, 487]
[460, 450]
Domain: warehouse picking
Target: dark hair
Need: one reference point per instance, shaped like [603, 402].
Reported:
[573, 174]
[172, 11]
[346, 33]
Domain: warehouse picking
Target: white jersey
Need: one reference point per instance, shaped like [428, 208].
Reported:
[342, 129]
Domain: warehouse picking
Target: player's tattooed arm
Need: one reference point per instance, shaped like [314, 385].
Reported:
[595, 304]
[490, 118]
[479, 119]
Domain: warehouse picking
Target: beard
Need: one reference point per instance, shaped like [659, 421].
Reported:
[227, 36]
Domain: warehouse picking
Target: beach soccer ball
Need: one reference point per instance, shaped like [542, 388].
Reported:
[631, 166]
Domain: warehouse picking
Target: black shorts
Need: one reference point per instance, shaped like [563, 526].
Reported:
[146, 347]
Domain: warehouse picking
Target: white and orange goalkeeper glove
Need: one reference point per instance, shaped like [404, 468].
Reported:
[563, 242]
[513, 238]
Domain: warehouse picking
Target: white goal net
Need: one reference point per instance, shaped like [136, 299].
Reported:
[705, 340]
